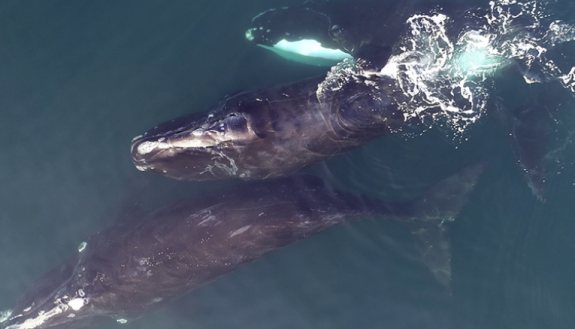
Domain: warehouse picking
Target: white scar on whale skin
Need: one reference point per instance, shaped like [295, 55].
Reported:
[240, 231]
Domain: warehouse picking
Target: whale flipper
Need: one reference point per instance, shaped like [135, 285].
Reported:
[438, 206]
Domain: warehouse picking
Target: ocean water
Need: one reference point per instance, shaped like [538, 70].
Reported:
[80, 79]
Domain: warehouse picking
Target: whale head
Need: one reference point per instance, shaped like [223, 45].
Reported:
[299, 34]
[53, 302]
[200, 146]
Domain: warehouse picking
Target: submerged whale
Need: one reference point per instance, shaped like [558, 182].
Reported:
[136, 266]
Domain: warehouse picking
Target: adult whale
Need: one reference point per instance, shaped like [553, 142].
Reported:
[272, 132]
[139, 265]
[283, 129]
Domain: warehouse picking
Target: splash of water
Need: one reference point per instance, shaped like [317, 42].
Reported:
[437, 68]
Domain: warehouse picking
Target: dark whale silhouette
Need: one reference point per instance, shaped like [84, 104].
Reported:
[270, 132]
[139, 265]
[283, 129]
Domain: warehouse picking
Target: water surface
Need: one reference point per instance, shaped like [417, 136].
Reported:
[79, 79]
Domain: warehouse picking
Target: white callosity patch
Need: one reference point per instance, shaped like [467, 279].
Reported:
[37, 321]
[249, 35]
[77, 303]
[183, 142]
[147, 147]
[60, 307]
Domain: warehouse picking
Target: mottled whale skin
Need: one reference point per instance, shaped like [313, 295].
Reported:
[137, 266]
[270, 132]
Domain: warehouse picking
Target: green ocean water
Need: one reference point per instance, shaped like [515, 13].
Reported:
[80, 79]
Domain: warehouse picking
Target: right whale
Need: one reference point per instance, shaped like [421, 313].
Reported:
[138, 265]
[283, 129]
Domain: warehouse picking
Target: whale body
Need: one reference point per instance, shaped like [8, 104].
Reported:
[270, 132]
[137, 266]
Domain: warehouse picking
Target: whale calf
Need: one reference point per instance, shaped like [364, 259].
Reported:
[139, 265]
[326, 32]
